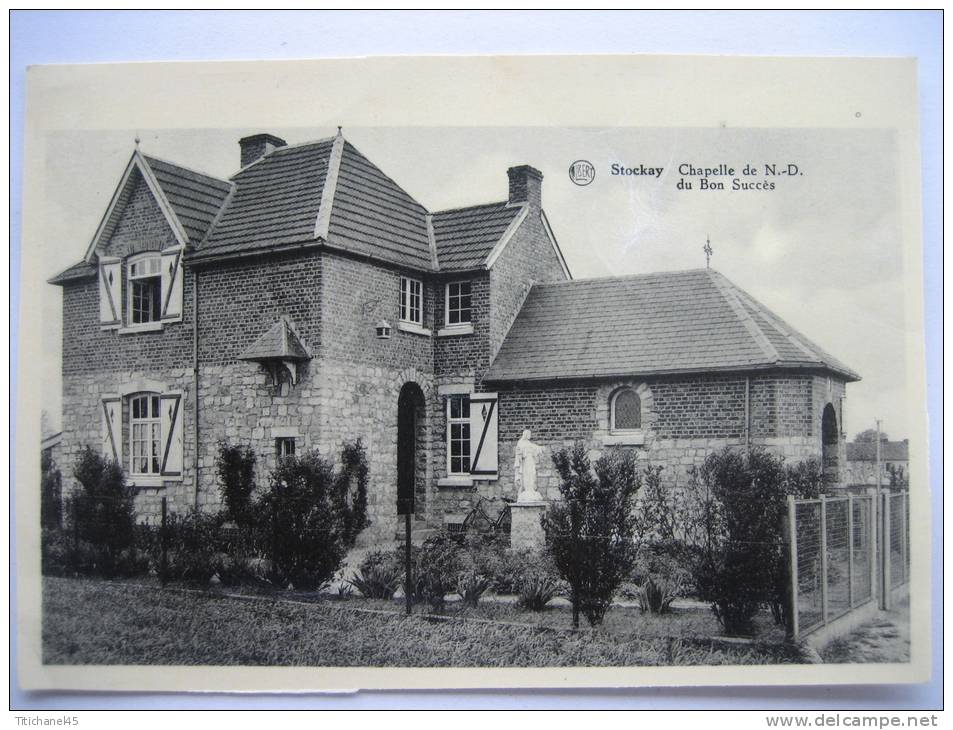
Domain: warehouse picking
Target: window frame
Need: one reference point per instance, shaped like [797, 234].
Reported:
[613, 429]
[404, 304]
[157, 284]
[461, 323]
[284, 440]
[462, 421]
[154, 401]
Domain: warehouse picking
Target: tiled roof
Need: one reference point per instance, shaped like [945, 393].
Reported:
[275, 202]
[466, 236]
[373, 216]
[653, 324]
[195, 198]
[81, 270]
[280, 342]
[867, 451]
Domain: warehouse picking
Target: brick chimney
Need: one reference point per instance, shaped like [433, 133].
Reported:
[257, 145]
[526, 186]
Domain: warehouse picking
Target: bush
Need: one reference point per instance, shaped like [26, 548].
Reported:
[235, 467]
[193, 547]
[536, 590]
[238, 558]
[303, 530]
[741, 564]
[102, 515]
[379, 575]
[471, 585]
[437, 566]
[662, 575]
[351, 491]
[51, 493]
[589, 532]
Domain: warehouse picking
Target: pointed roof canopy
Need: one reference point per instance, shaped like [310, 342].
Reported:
[280, 342]
[654, 324]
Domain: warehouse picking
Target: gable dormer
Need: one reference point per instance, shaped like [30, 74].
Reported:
[157, 211]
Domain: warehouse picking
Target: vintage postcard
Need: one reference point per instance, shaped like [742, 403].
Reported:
[472, 372]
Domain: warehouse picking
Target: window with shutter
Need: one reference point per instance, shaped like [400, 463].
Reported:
[483, 436]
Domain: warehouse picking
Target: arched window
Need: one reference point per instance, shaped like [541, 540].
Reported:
[626, 410]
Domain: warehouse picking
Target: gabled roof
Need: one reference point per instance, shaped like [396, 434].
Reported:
[465, 237]
[867, 451]
[188, 200]
[280, 342]
[667, 323]
[195, 197]
[323, 193]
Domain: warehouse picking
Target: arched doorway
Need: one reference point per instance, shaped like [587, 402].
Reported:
[411, 454]
[830, 443]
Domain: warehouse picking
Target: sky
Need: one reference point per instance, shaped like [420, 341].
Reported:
[822, 249]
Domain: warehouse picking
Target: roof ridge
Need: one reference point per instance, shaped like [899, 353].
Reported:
[185, 168]
[789, 333]
[322, 222]
[384, 174]
[725, 288]
[471, 207]
[620, 277]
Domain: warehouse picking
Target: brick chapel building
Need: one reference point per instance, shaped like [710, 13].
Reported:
[309, 300]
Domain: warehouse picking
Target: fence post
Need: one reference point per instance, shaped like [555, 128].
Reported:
[850, 550]
[163, 541]
[824, 597]
[885, 552]
[790, 534]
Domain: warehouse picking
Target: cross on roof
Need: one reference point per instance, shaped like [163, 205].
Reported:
[708, 252]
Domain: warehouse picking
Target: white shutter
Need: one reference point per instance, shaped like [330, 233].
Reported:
[483, 436]
[110, 288]
[170, 423]
[111, 427]
[172, 284]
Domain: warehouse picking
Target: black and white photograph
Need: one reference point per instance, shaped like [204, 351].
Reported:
[346, 390]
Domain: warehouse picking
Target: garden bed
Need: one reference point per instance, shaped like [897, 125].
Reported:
[95, 622]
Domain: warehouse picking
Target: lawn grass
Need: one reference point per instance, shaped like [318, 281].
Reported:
[94, 622]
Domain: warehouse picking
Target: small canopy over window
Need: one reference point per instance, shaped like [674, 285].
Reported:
[626, 410]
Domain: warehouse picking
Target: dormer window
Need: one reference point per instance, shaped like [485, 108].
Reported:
[145, 289]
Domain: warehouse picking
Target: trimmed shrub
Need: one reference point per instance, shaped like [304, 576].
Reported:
[303, 533]
[51, 493]
[379, 575]
[235, 467]
[589, 533]
[101, 514]
[237, 561]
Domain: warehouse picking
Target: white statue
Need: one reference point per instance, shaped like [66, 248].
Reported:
[524, 463]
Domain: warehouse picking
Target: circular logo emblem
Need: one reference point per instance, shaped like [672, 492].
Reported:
[582, 172]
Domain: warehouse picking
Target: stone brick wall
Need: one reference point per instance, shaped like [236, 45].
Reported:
[142, 226]
[468, 354]
[240, 300]
[528, 258]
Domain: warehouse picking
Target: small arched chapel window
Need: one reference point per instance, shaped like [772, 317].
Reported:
[626, 409]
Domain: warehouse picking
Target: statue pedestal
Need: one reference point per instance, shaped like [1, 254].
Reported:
[525, 531]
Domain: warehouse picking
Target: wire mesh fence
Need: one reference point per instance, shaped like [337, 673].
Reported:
[845, 552]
